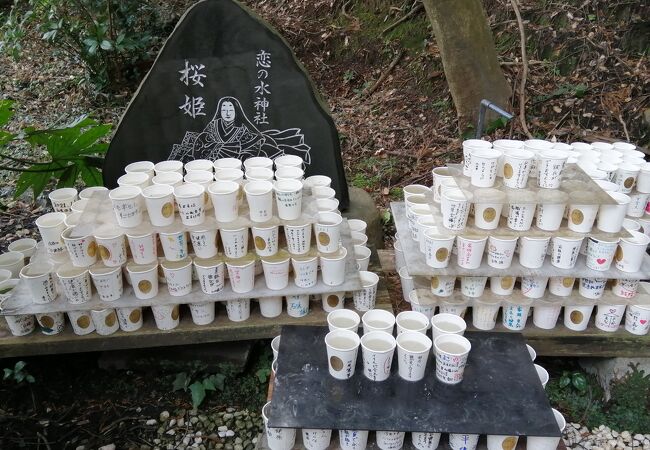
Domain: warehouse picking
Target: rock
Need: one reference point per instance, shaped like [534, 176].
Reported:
[171, 432]
[238, 440]
[230, 433]
[151, 422]
[612, 442]
[194, 420]
[222, 434]
[161, 430]
[164, 416]
[198, 440]
[107, 447]
[223, 428]
[626, 435]
[172, 422]
[239, 447]
[614, 434]
[81, 447]
[638, 437]
[230, 410]
[156, 441]
[180, 422]
[227, 416]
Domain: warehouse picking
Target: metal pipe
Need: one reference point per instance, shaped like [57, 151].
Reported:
[484, 106]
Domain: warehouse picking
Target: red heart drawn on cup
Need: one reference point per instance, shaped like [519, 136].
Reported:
[601, 260]
[643, 321]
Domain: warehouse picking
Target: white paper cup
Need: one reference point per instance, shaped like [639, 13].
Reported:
[472, 286]
[561, 286]
[258, 161]
[484, 314]
[82, 322]
[342, 348]
[75, 283]
[378, 348]
[202, 313]
[50, 226]
[549, 168]
[521, 210]
[547, 443]
[500, 250]
[144, 279]
[111, 249]
[259, 195]
[411, 321]
[390, 440]
[290, 173]
[298, 238]
[470, 251]
[425, 441]
[82, 250]
[238, 310]
[637, 319]
[241, 274]
[400, 262]
[609, 317]
[353, 439]
[365, 298]
[288, 197]
[327, 205]
[542, 374]
[502, 285]
[305, 270]
[144, 247]
[610, 217]
[643, 179]
[159, 200]
[333, 301]
[168, 166]
[146, 167]
[532, 251]
[51, 323]
[488, 204]
[322, 192]
[128, 205]
[441, 285]
[79, 206]
[167, 317]
[412, 353]
[592, 288]
[318, 180]
[276, 271]
[20, 325]
[362, 256]
[565, 251]
[4, 276]
[357, 225]
[129, 319]
[139, 179]
[483, 168]
[463, 441]
[581, 215]
[191, 203]
[203, 178]
[105, 321]
[468, 146]
[108, 282]
[62, 199]
[631, 252]
[26, 246]
[515, 316]
[204, 242]
[316, 439]
[632, 225]
[343, 319]
[174, 244]
[179, 276]
[223, 195]
[441, 175]
[600, 252]
[550, 209]
[235, 242]
[288, 161]
[422, 301]
[13, 262]
[230, 174]
[332, 267]
[447, 324]
[437, 248]
[451, 352]
[265, 240]
[576, 317]
[199, 165]
[500, 442]
[227, 163]
[455, 206]
[626, 176]
[270, 307]
[407, 283]
[546, 313]
[378, 320]
[298, 305]
[328, 232]
[358, 238]
[516, 167]
[39, 280]
[533, 287]
[625, 288]
[637, 205]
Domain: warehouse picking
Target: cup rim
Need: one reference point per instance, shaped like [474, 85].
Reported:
[208, 177]
[144, 268]
[382, 335]
[371, 275]
[345, 333]
[208, 263]
[51, 215]
[22, 241]
[16, 255]
[457, 338]
[281, 158]
[125, 193]
[62, 194]
[420, 337]
[198, 162]
[346, 313]
[170, 165]
[138, 178]
[337, 255]
[257, 161]
[231, 163]
[229, 186]
[102, 270]
[79, 271]
[188, 190]
[415, 314]
[182, 264]
[636, 235]
[159, 179]
[287, 185]
[487, 153]
[366, 253]
[390, 317]
[476, 143]
[130, 167]
[265, 186]
[449, 317]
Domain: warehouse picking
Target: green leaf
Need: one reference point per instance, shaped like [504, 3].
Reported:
[19, 366]
[19, 377]
[90, 175]
[262, 375]
[208, 385]
[386, 216]
[68, 177]
[8, 373]
[6, 111]
[579, 381]
[30, 379]
[198, 393]
[565, 380]
[91, 135]
[219, 380]
[180, 382]
[5, 137]
[106, 45]
[37, 180]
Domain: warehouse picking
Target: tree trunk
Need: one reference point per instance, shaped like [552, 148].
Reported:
[468, 56]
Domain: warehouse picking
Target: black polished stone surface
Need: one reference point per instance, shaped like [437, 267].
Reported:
[500, 393]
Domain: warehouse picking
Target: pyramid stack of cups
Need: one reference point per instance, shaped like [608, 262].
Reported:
[447, 348]
[188, 227]
[544, 206]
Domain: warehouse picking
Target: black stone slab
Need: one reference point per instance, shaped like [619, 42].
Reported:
[226, 84]
[500, 392]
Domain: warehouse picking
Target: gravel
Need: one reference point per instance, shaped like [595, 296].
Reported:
[580, 437]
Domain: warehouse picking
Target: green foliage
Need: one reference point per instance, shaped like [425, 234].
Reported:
[578, 396]
[565, 90]
[200, 386]
[349, 76]
[629, 407]
[111, 38]
[497, 124]
[374, 172]
[18, 374]
[72, 153]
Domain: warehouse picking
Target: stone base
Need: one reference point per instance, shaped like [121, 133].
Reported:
[363, 207]
[608, 370]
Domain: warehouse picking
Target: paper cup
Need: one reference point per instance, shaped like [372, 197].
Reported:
[407, 283]
[609, 317]
[358, 238]
[146, 167]
[298, 238]
[144, 279]
[258, 161]
[318, 180]
[549, 168]
[128, 205]
[332, 267]
[305, 270]
[643, 179]
[516, 167]
[333, 301]
[75, 283]
[139, 179]
[204, 242]
[108, 282]
[423, 302]
[400, 262]
[463, 441]
[4, 276]
[547, 443]
[12, 262]
[203, 178]
[472, 286]
[343, 319]
[174, 244]
[561, 286]
[470, 251]
[451, 352]
[204, 165]
[378, 348]
[412, 353]
[521, 210]
[631, 252]
[362, 257]
[626, 176]
[532, 251]
[637, 319]
[378, 320]
[227, 163]
[455, 206]
[238, 310]
[576, 317]
[266, 240]
[288, 197]
[484, 314]
[390, 440]
[111, 249]
[26, 246]
[288, 161]
[82, 250]
[533, 287]
[483, 168]
[168, 166]
[51, 323]
[411, 321]
[259, 195]
[425, 441]
[210, 272]
[437, 248]
[290, 173]
[447, 324]
[172, 179]
[353, 439]
[550, 209]
[191, 203]
[365, 298]
[600, 252]
[592, 287]
[297, 305]
[167, 317]
[159, 200]
[625, 288]
[515, 316]
[235, 242]
[342, 348]
[565, 251]
[38, 278]
[223, 195]
[357, 225]
[276, 271]
[62, 199]
[89, 192]
[610, 217]
[440, 176]
[581, 215]
[499, 442]
[488, 204]
[241, 274]
[637, 205]
[542, 374]
[105, 321]
[500, 250]
[468, 146]
[51, 226]
[321, 192]
[270, 306]
[20, 325]
[144, 247]
[179, 276]
[441, 285]
[82, 322]
[202, 313]
[129, 319]
[316, 439]
[328, 232]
